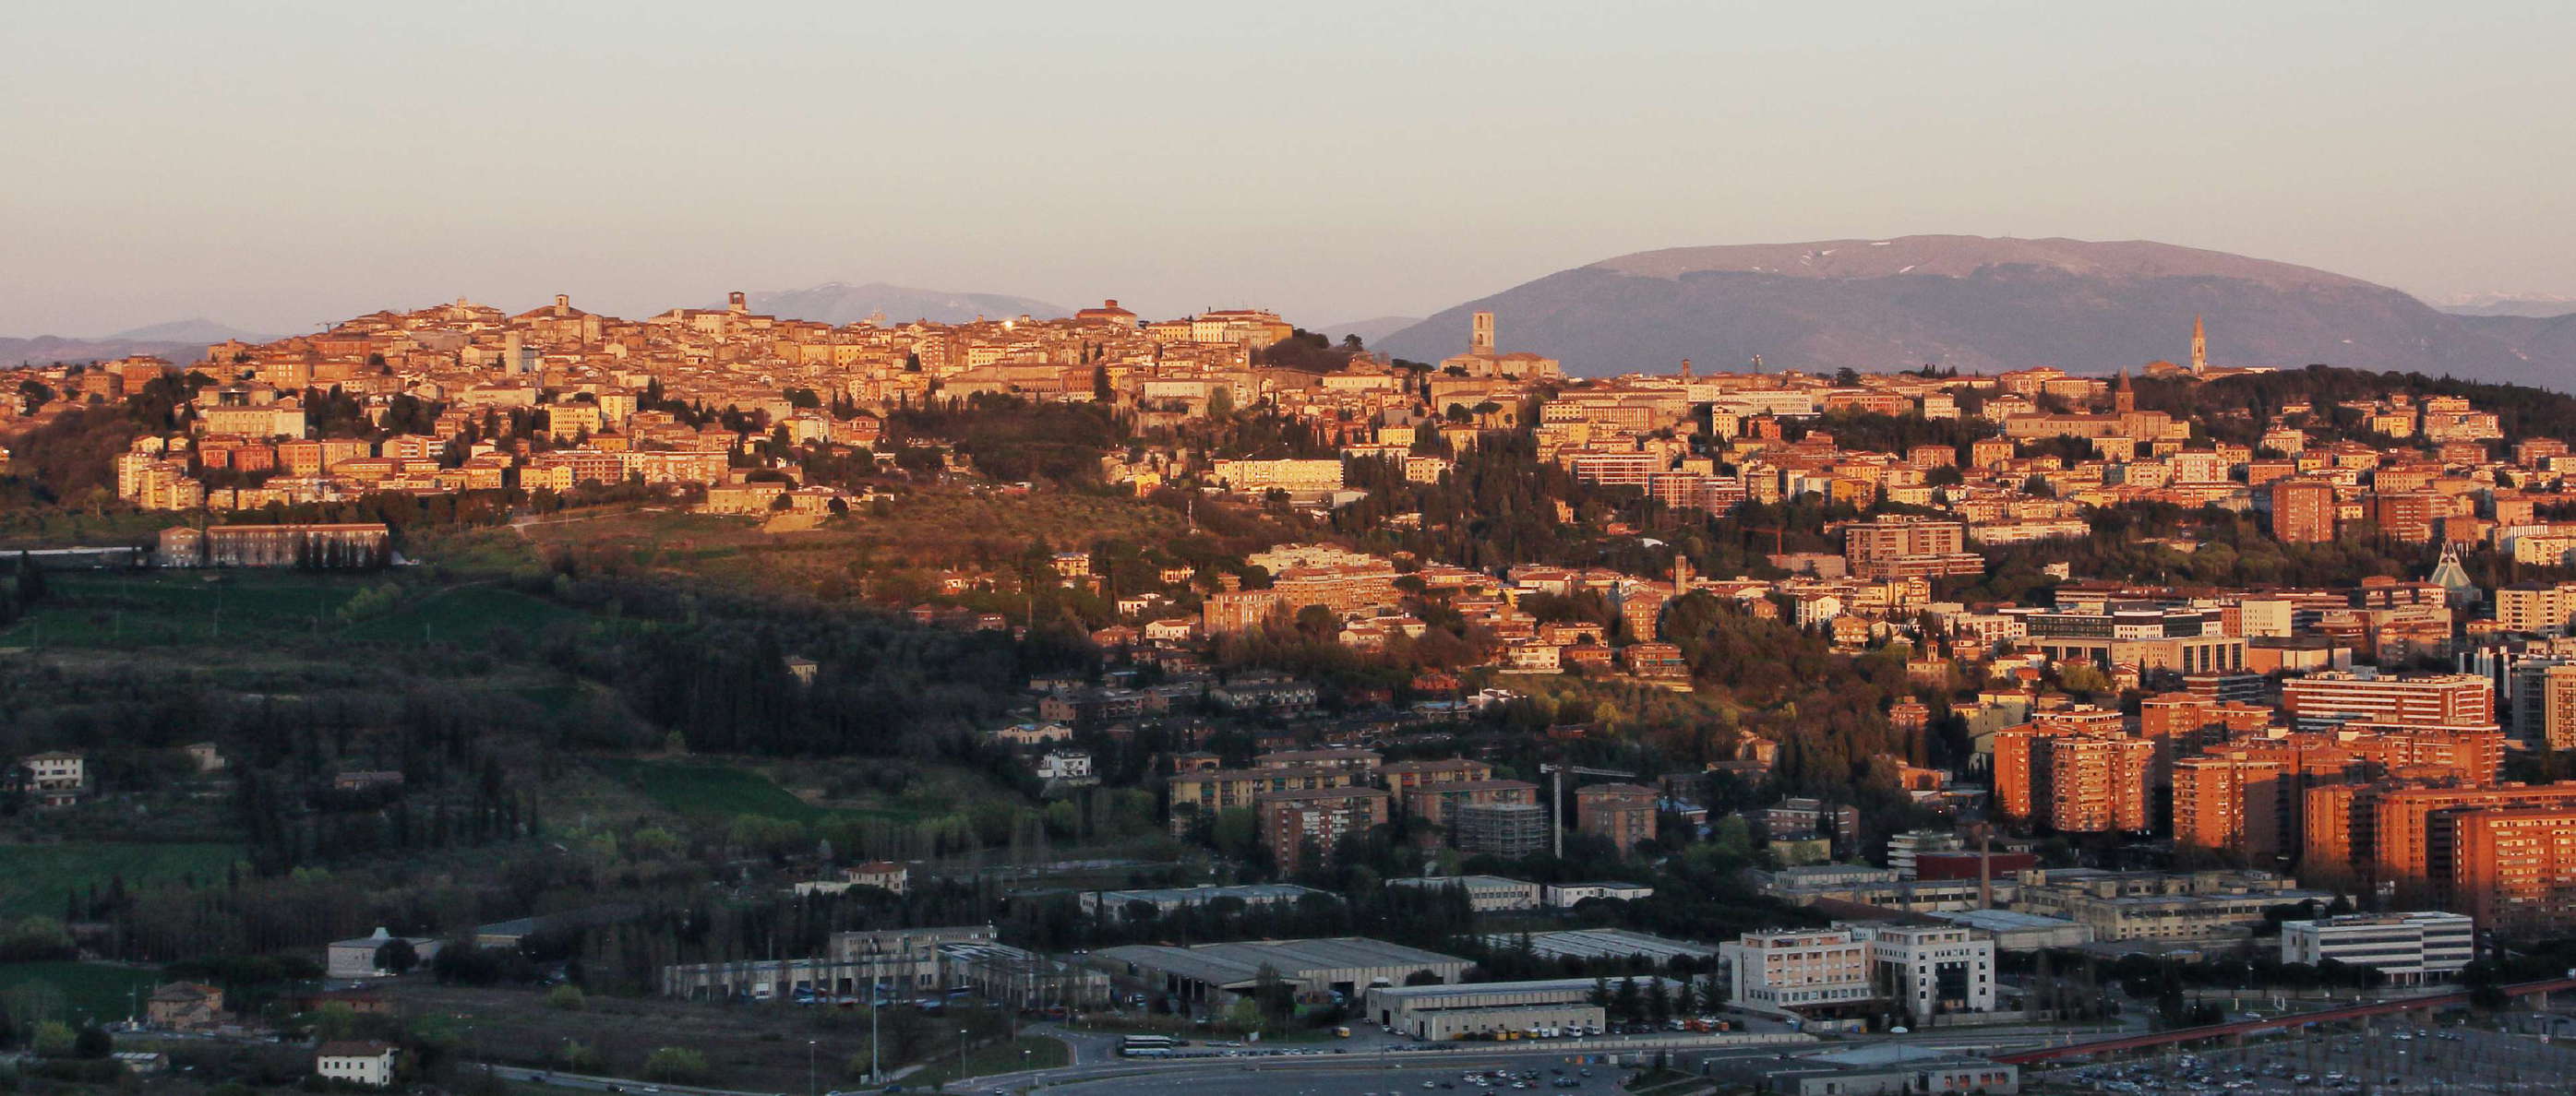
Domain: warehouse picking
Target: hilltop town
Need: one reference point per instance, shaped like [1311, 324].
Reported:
[1208, 678]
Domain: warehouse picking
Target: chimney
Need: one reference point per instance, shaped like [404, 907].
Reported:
[1110, 303]
[1985, 868]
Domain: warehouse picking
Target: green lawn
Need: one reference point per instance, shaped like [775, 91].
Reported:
[162, 608]
[466, 615]
[35, 878]
[985, 1061]
[98, 991]
[717, 790]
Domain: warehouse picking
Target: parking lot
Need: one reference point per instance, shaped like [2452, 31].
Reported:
[2389, 1059]
[1524, 1078]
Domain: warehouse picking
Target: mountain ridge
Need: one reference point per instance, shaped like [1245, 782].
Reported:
[1978, 304]
[842, 303]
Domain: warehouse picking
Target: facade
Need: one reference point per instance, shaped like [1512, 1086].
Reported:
[1799, 973]
[1297, 826]
[1501, 829]
[185, 1006]
[2411, 948]
[1565, 895]
[1908, 546]
[329, 546]
[896, 961]
[358, 1063]
[1485, 893]
[1438, 803]
[2159, 905]
[1929, 971]
[1887, 1069]
[1623, 813]
[2303, 511]
[357, 958]
[1485, 1008]
[1214, 974]
[2322, 700]
[2074, 779]
[1121, 904]
[2513, 870]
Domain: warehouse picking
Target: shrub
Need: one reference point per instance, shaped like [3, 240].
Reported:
[566, 997]
[675, 1064]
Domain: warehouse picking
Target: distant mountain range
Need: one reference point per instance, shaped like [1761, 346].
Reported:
[2509, 304]
[1981, 305]
[180, 341]
[838, 303]
[1370, 331]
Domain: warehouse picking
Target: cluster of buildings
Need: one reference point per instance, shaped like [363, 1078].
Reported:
[1306, 801]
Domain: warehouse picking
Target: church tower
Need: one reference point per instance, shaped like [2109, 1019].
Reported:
[2123, 398]
[1480, 334]
[2199, 347]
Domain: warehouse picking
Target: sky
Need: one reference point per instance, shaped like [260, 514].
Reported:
[281, 165]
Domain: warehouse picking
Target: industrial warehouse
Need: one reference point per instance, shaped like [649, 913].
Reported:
[1565, 1005]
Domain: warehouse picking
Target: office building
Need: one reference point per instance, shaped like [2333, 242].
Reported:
[2411, 948]
[2321, 700]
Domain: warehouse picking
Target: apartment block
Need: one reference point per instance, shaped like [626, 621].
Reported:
[1298, 826]
[1624, 813]
[2322, 700]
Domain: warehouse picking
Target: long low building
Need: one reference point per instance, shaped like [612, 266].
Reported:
[2411, 948]
[1122, 904]
[1347, 965]
[1604, 944]
[1483, 1008]
[1485, 893]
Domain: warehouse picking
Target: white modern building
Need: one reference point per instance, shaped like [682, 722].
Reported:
[1931, 970]
[2412, 948]
[362, 1063]
[1485, 893]
[1565, 895]
[1798, 972]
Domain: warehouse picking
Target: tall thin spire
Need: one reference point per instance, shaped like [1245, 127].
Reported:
[2199, 347]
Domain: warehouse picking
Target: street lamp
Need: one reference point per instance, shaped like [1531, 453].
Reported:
[961, 1052]
[809, 1067]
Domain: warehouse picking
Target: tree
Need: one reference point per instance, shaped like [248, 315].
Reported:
[53, 1039]
[93, 1042]
[397, 956]
[567, 997]
[1220, 402]
[678, 1064]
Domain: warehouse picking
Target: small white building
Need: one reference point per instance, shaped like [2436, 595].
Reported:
[1565, 895]
[1065, 765]
[56, 777]
[2411, 948]
[357, 958]
[365, 1063]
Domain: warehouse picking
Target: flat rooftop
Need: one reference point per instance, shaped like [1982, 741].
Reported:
[1604, 944]
[1234, 964]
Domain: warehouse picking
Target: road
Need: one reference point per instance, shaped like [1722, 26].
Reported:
[588, 1083]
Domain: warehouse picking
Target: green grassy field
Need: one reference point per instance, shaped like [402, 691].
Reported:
[462, 615]
[128, 610]
[35, 878]
[164, 608]
[97, 991]
[715, 790]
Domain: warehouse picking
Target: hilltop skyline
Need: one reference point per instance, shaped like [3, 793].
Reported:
[1314, 161]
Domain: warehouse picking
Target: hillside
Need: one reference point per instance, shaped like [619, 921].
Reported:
[837, 303]
[1973, 303]
[48, 349]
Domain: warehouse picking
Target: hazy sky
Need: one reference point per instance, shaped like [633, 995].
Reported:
[276, 165]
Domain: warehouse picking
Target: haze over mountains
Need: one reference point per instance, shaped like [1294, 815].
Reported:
[839, 303]
[1981, 305]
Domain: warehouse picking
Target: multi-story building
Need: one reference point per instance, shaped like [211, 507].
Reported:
[1804, 973]
[2544, 703]
[1931, 970]
[1509, 830]
[2232, 802]
[1624, 813]
[2073, 778]
[1198, 795]
[2513, 869]
[2415, 833]
[1438, 804]
[2411, 948]
[2158, 905]
[1298, 827]
[2303, 510]
[1909, 546]
[362, 544]
[2321, 700]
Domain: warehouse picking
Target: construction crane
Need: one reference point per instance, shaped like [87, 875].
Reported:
[1557, 831]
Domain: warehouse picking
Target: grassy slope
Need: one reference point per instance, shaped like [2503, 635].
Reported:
[34, 878]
